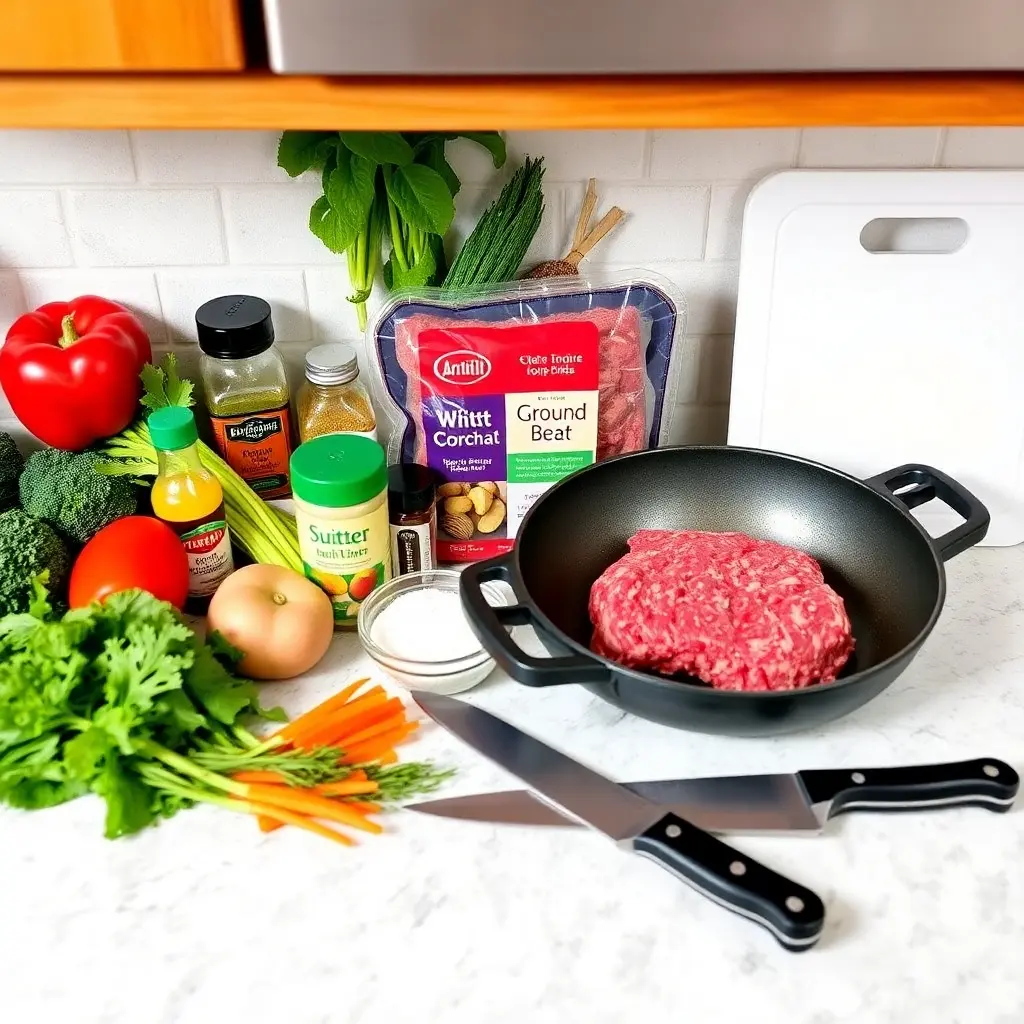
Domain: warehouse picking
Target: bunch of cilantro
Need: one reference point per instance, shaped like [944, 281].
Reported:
[122, 700]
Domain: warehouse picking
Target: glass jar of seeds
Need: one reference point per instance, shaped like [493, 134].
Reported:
[332, 398]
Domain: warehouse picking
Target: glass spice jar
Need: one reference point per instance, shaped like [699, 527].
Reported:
[413, 517]
[332, 398]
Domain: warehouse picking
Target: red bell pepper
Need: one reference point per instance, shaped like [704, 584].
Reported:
[70, 370]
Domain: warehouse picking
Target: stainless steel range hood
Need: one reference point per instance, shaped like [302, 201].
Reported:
[584, 37]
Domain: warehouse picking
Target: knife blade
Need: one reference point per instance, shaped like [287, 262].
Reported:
[801, 803]
[792, 913]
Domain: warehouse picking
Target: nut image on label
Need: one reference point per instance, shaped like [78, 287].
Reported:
[468, 510]
[456, 506]
[457, 524]
[493, 518]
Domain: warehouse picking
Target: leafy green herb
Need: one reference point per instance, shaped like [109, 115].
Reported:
[125, 701]
[377, 183]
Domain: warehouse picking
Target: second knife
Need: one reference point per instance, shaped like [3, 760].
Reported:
[801, 802]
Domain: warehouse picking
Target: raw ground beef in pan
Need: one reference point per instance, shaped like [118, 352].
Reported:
[738, 613]
[621, 411]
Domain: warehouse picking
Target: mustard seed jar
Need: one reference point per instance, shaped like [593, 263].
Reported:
[332, 398]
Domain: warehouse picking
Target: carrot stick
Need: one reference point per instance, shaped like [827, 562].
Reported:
[287, 817]
[355, 714]
[356, 775]
[267, 778]
[364, 806]
[346, 788]
[268, 824]
[322, 710]
[389, 757]
[386, 725]
[309, 804]
[381, 744]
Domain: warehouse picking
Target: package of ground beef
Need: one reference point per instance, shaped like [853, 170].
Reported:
[506, 392]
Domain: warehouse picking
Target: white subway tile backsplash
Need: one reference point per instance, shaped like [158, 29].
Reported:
[717, 154]
[568, 156]
[34, 157]
[207, 157]
[333, 317]
[715, 368]
[710, 293]
[725, 220]
[212, 215]
[983, 147]
[135, 289]
[869, 147]
[12, 299]
[270, 225]
[145, 227]
[32, 230]
[661, 223]
[182, 292]
[700, 424]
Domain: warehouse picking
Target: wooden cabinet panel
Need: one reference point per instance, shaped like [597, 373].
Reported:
[120, 35]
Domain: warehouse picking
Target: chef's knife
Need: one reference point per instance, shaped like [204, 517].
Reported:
[793, 914]
[801, 802]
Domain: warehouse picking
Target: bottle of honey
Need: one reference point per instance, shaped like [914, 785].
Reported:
[190, 500]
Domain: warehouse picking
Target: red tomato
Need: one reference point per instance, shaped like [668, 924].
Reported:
[136, 552]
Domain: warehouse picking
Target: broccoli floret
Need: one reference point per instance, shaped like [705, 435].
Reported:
[28, 547]
[65, 490]
[11, 465]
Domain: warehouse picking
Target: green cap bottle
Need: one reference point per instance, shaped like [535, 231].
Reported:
[173, 428]
[338, 470]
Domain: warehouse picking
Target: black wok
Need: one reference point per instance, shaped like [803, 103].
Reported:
[883, 563]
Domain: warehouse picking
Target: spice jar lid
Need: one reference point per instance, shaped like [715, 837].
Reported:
[331, 364]
[337, 470]
[234, 326]
[172, 428]
[410, 488]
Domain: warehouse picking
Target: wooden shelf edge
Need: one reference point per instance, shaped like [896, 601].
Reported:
[260, 100]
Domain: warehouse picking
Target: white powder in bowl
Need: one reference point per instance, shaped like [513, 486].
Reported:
[426, 626]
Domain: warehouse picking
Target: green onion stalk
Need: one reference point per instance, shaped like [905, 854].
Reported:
[364, 259]
[265, 533]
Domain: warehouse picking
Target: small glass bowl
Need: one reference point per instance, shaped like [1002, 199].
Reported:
[445, 677]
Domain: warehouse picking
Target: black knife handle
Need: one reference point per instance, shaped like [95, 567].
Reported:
[985, 782]
[793, 914]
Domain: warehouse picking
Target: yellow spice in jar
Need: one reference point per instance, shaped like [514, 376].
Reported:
[332, 399]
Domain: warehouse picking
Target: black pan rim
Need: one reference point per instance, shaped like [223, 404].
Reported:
[615, 668]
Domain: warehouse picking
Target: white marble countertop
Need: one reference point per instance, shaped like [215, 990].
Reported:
[204, 919]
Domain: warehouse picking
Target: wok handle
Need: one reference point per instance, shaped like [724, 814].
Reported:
[924, 483]
[489, 624]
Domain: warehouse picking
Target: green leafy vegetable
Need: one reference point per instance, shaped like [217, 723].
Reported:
[495, 248]
[377, 183]
[11, 465]
[30, 551]
[67, 490]
[125, 701]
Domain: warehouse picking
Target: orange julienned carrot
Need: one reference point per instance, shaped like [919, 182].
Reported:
[389, 757]
[266, 778]
[287, 817]
[322, 710]
[364, 806]
[346, 788]
[355, 715]
[268, 824]
[309, 805]
[368, 751]
[381, 727]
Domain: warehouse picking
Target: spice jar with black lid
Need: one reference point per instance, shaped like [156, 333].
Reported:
[413, 517]
[246, 390]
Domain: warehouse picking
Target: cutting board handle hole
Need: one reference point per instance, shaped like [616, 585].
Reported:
[914, 235]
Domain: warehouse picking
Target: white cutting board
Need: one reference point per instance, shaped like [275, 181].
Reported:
[868, 360]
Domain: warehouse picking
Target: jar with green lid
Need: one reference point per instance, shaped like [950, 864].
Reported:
[246, 390]
[340, 485]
